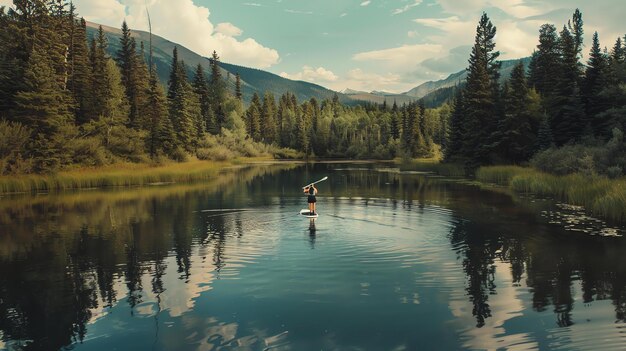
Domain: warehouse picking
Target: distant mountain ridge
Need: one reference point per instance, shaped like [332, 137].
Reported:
[433, 92]
[253, 80]
[459, 77]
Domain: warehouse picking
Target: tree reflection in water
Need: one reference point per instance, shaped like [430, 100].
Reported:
[85, 251]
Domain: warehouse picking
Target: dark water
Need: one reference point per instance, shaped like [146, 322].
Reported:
[394, 262]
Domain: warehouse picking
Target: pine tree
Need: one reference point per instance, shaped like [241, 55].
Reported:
[216, 88]
[480, 96]
[395, 124]
[135, 76]
[15, 48]
[596, 79]
[253, 118]
[181, 104]
[238, 93]
[515, 138]
[543, 74]
[80, 71]
[567, 110]
[98, 87]
[201, 88]
[44, 107]
[115, 109]
[301, 135]
[268, 119]
[457, 131]
[576, 28]
[161, 137]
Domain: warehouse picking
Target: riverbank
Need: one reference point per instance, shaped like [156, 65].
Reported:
[121, 175]
[601, 196]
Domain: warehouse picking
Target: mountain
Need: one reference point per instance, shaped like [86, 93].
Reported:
[380, 98]
[434, 93]
[456, 78]
[429, 87]
[253, 80]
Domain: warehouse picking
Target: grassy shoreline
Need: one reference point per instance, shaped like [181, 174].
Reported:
[120, 175]
[601, 196]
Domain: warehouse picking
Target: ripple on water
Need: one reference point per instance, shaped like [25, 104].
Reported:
[589, 336]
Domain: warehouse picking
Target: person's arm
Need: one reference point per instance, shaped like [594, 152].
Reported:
[314, 190]
[306, 190]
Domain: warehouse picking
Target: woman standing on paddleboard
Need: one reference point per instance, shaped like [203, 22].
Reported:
[312, 191]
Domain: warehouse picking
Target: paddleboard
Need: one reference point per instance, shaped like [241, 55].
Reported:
[306, 213]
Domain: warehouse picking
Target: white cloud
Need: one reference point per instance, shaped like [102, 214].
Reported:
[109, 12]
[343, 15]
[365, 3]
[228, 29]
[412, 33]
[358, 79]
[195, 30]
[406, 7]
[311, 74]
[403, 56]
[516, 8]
[299, 12]
[252, 4]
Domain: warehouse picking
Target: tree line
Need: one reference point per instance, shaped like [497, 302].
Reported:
[558, 103]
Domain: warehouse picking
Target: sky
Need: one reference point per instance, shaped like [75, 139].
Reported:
[383, 45]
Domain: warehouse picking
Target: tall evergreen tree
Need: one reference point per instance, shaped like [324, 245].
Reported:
[567, 109]
[576, 28]
[80, 71]
[216, 88]
[543, 75]
[201, 88]
[98, 87]
[238, 93]
[134, 74]
[457, 132]
[515, 138]
[44, 107]
[161, 136]
[596, 79]
[480, 96]
[253, 118]
[181, 104]
[268, 120]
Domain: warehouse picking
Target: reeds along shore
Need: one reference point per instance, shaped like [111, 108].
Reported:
[118, 175]
[602, 196]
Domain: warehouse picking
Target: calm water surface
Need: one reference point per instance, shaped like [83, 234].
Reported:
[395, 261]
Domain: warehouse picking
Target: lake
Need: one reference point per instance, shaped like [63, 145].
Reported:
[395, 261]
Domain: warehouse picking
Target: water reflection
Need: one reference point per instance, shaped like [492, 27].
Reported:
[220, 265]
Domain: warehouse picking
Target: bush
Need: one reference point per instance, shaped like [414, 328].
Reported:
[593, 157]
[179, 154]
[614, 172]
[87, 152]
[13, 138]
[126, 143]
[218, 153]
[565, 160]
[287, 154]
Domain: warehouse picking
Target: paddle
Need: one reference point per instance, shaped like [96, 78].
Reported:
[321, 180]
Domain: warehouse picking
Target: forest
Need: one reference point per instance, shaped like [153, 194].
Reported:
[562, 115]
[65, 102]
